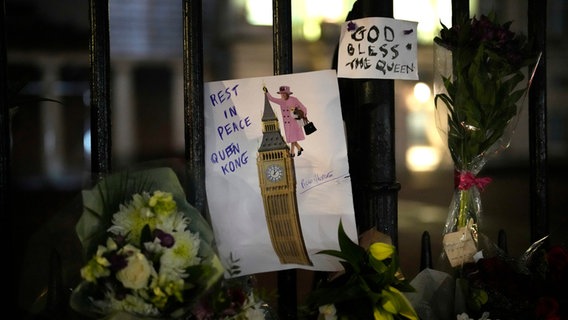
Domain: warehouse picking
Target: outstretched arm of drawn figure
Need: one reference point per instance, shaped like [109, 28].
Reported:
[270, 97]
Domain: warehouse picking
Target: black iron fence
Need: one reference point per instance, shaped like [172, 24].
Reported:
[369, 123]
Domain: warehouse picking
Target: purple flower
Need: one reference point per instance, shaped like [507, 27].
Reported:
[117, 262]
[166, 239]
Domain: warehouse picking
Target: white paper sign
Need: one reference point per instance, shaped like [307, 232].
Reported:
[246, 174]
[378, 48]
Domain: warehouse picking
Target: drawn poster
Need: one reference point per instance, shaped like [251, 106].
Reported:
[378, 48]
[274, 203]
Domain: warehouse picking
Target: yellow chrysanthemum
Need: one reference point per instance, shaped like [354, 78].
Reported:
[184, 252]
[133, 217]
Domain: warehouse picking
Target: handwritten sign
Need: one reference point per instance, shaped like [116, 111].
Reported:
[234, 111]
[459, 247]
[378, 48]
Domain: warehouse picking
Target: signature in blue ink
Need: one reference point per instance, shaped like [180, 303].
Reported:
[316, 179]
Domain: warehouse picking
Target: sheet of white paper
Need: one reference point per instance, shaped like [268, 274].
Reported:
[378, 48]
[233, 135]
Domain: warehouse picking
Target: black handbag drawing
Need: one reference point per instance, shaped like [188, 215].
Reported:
[309, 126]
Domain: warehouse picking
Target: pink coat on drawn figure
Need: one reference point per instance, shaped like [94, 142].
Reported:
[292, 128]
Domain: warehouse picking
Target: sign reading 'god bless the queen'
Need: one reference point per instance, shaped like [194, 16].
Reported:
[276, 194]
[378, 48]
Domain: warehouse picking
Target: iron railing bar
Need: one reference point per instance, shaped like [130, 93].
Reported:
[5, 133]
[368, 111]
[539, 215]
[426, 252]
[5, 152]
[460, 8]
[378, 102]
[99, 48]
[282, 61]
[282, 36]
[194, 119]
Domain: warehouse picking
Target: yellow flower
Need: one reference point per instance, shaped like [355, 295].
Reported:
[381, 250]
[389, 302]
[328, 312]
[110, 245]
[97, 267]
[394, 302]
[163, 288]
[162, 203]
[479, 297]
[381, 314]
[372, 276]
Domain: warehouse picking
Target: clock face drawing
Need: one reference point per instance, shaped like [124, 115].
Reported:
[274, 173]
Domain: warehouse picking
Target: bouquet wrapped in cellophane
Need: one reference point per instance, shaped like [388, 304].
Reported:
[478, 97]
[149, 253]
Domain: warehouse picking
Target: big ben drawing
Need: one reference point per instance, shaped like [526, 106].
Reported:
[277, 179]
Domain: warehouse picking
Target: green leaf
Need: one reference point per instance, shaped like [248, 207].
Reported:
[352, 252]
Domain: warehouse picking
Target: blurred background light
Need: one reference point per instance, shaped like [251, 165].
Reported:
[422, 92]
[422, 158]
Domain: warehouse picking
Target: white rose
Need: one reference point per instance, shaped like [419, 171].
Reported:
[328, 312]
[138, 270]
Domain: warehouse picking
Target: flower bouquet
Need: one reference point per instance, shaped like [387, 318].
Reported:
[371, 285]
[234, 299]
[149, 253]
[530, 287]
[478, 98]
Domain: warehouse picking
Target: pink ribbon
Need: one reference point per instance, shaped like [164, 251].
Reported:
[468, 180]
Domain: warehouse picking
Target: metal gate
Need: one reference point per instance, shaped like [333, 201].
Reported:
[370, 151]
